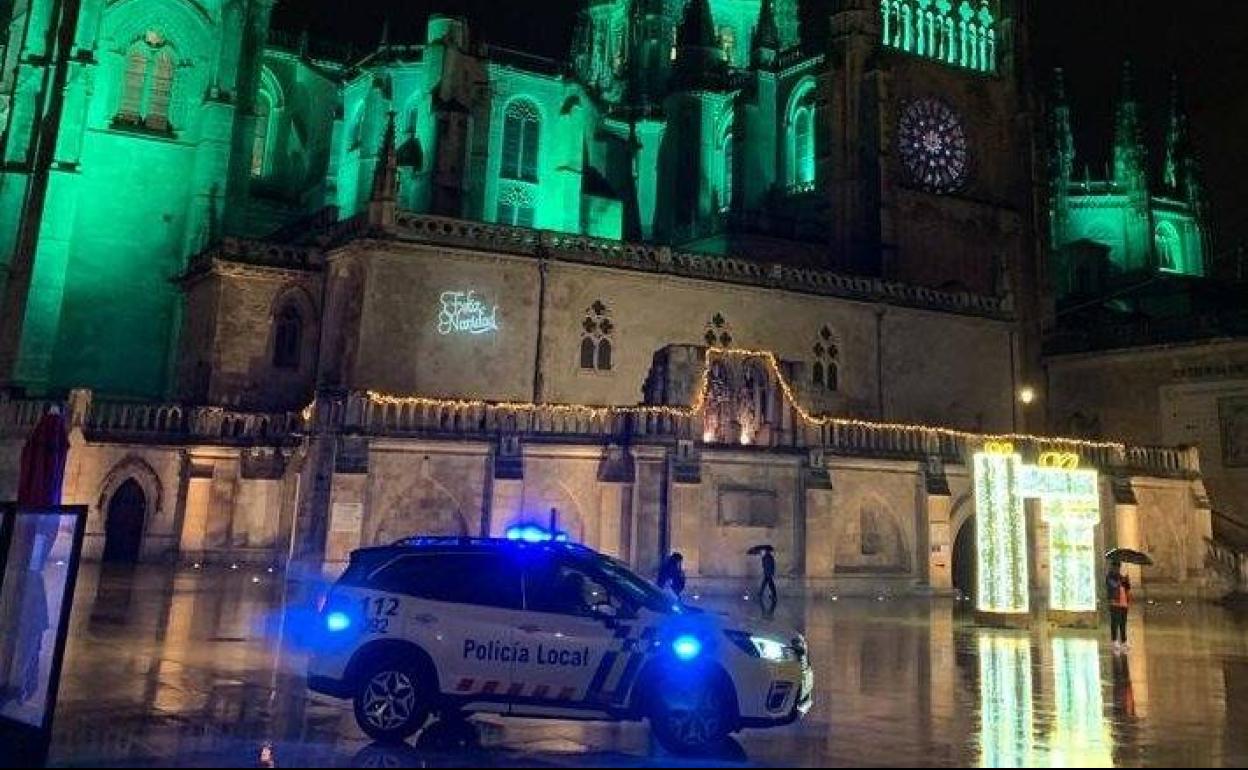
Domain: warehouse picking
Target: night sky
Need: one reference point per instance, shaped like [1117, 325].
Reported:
[1201, 39]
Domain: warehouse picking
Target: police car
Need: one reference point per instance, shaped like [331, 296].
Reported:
[544, 629]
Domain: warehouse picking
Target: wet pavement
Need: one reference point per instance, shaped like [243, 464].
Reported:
[198, 668]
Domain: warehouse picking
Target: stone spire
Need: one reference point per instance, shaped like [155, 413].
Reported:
[1062, 147]
[383, 202]
[766, 36]
[1177, 148]
[1129, 162]
[700, 61]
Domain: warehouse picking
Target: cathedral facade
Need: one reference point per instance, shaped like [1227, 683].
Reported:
[691, 288]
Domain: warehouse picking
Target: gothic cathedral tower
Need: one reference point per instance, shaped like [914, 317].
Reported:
[122, 125]
[929, 165]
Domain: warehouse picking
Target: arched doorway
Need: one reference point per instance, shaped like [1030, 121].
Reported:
[123, 527]
[964, 558]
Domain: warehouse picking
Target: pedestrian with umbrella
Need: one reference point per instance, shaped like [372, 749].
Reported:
[1118, 593]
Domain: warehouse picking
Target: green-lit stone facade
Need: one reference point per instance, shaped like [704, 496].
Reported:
[1132, 221]
[696, 123]
[959, 33]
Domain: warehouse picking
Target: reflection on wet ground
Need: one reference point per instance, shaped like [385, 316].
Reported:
[201, 668]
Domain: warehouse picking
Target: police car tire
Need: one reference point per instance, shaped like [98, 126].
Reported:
[390, 706]
[690, 732]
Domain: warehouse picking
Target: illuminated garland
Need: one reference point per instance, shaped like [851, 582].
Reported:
[699, 402]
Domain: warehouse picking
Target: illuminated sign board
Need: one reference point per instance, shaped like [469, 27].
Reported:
[462, 313]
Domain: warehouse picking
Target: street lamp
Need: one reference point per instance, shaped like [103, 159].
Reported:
[1026, 395]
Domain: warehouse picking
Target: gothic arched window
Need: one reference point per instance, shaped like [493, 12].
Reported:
[1169, 250]
[521, 138]
[287, 337]
[726, 148]
[147, 84]
[260, 140]
[597, 330]
[825, 369]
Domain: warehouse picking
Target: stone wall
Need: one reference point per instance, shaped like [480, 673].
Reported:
[1191, 395]
[900, 363]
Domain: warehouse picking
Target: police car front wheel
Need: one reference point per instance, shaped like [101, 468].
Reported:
[691, 717]
[390, 705]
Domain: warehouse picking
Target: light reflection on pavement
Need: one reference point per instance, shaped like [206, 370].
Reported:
[198, 668]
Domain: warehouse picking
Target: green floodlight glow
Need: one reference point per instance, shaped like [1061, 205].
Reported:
[957, 32]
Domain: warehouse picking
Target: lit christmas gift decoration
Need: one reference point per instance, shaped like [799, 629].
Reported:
[1000, 531]
[1070, 505]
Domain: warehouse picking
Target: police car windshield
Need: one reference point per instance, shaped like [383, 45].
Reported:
[637, 589]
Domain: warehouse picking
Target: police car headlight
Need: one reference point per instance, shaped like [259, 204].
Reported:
[763, 647]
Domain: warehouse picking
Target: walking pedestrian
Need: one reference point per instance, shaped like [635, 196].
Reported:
[767, 590]
[1118, 592]
[672, 574]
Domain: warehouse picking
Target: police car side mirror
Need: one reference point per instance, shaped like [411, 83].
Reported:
[606, 610]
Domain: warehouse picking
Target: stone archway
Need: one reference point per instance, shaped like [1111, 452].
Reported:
[963, 564]
[125, 520]
[131, 497]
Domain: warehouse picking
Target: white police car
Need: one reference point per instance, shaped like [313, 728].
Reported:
[458, 626]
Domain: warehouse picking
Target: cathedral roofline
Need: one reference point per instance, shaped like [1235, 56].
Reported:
[506, 240]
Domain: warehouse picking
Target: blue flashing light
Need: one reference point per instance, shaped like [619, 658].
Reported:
[687, 647]
[531, 533]
[337, 621]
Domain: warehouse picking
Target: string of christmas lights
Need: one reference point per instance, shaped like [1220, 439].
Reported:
[700, 398]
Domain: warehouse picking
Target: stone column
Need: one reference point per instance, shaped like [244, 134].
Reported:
[684, 513]
[506, 499]
[939, 542]
[195, 518]
[347, 502]
[615, 505]
[1127, 535]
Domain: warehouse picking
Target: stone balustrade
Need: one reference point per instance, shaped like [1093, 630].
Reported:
[585, 249]
[356, 412]
[157, 421]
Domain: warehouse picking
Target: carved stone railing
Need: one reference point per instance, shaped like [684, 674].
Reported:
[166, 422]
[432, 419]
[258, 252]
[359, 413]
[486, 420]
[207, 423]
[585, 249]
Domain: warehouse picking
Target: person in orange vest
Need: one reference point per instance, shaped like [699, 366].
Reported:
[1118, 592]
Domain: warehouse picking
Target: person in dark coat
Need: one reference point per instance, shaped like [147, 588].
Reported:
[767, 590]
[672, 574]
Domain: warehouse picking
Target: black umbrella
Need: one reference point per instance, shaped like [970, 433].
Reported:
[756, 550]
[1129, 556]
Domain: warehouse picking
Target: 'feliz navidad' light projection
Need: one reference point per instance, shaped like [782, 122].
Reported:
[1069, 505]
[462, 313]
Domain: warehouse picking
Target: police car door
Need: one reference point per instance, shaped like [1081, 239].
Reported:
[573, 647]
[471, 605]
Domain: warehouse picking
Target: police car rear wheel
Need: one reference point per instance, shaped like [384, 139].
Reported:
[691, 718]
[389, 704]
